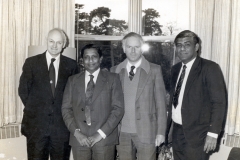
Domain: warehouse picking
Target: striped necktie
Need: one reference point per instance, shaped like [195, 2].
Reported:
[178, 88]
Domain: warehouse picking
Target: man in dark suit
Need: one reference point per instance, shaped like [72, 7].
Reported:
[92, 108]
[199, 101]
[41, 89]
[144, 122]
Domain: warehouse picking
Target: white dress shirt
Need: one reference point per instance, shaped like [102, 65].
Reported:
[136, 66]
[87, 79]
[55, 64]
[176, 112]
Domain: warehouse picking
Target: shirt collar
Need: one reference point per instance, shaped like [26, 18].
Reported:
[190, 63]
[136, 65]
[144, 65]
[95, 74]
[49, 57]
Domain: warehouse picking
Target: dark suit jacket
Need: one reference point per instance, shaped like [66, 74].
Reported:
[151, 115]
[106, 111]
[204, 101]
[35, 92]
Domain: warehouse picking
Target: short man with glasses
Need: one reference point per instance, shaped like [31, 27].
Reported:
[41, 89]
[92, 108]
[144, 122]
[198, 101]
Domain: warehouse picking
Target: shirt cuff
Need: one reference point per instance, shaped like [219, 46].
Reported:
[214, 135]
[102, 133]
[76, 130]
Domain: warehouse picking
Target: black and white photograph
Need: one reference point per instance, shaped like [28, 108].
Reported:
[119, 80]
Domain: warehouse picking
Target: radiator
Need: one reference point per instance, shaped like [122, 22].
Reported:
[232, 140]
[10, 131]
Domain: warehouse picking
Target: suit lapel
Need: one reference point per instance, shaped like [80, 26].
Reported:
[175, 74]
[101, 79]
[62, 70]
[121, 75]
[81, 86]
[143, 78]
[195, 70]
[45, 73]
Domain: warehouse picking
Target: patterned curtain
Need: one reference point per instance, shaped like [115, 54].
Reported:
[24, 23]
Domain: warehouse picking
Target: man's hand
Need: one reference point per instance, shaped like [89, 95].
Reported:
[210, 144]
[159, 140]
[82, 139]
[95, 138]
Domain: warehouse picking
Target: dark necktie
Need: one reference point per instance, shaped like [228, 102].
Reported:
[131, 73]
[88, 100]
[52, 75]
[178, 88]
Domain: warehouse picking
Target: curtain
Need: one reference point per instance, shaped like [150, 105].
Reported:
[24, 23]
[217, 22]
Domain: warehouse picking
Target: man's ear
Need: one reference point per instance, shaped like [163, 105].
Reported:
[123, 48]
[197, 47]
[101, 58]
[64, 44]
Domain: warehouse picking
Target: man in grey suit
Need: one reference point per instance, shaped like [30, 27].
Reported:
[144, 122]
[92, 108]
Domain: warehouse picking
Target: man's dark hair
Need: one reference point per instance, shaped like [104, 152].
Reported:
[188, 33]
[89, 46]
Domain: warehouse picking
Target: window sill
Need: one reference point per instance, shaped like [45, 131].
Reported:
[80, 37]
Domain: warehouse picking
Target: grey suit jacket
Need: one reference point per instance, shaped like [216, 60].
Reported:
[107, 107]
[150, 105]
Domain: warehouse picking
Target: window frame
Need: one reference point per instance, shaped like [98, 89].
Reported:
[134, 25]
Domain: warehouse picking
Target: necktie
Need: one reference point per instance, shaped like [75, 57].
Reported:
[52, 75]
[88, 100]
[131, 73]
[178, 88]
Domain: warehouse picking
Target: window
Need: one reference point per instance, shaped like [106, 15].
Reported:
[94, 18]
[165, 17]
[157, 20]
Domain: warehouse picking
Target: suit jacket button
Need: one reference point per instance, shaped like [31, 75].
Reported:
[52, 102]
[82, 109]
[85, 121]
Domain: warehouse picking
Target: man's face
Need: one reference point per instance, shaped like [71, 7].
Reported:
[133, 49]
[91, 60]
[55, 43]
[186, 49]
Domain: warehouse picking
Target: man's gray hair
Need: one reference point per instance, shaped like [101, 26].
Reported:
[132, 34]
